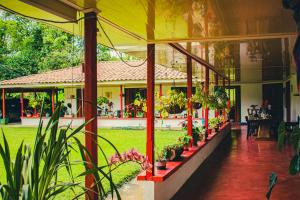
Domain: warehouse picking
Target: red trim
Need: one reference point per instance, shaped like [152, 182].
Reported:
[121, 101]
[189, 94]
[90, 97]
[216, 84]
[150, 105]
[224, 84]
[172, 167]
[160, 94]
[206, 90]
[3, 104]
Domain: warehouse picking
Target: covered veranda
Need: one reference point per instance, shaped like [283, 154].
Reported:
[155, 30]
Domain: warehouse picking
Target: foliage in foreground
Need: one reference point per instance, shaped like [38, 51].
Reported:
[294, 167]
[34, 173]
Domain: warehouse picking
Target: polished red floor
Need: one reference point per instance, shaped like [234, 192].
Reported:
[239, 170]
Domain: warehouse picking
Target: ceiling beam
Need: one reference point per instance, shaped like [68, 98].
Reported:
[225, 38]
[199, 60]
[55, 7]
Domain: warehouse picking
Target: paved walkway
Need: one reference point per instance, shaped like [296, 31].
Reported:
[240, 171]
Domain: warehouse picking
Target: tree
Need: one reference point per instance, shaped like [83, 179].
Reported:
[29, 47]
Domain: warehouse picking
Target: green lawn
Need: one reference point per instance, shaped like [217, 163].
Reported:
[122, 139]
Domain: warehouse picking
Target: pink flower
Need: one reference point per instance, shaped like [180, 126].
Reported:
[131, 156]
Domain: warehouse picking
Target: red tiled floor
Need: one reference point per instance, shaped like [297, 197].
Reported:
[239, 170]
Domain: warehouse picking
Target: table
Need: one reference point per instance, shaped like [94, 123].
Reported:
[264, 127]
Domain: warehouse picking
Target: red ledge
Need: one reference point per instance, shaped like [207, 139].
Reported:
[172, 167]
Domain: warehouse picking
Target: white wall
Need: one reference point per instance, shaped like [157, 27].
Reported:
[115, 98]
[295, 100]
[251, 94]
[69, 94]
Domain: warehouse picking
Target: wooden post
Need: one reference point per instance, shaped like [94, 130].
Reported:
[3, 104]
[52, 101]
[224, 84]
[21, 104]
[189, 92]
[150, 106]
[206, 90]
[90, 97]
[216, 85]
[229, 106]
[160, 95]
[121, 101]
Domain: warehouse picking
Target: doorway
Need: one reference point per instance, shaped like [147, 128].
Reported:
[234, 93]
[274, 94]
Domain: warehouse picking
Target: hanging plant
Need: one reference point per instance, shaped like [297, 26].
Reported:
[198, 98]
[102, 100]
[221, 97]
[174, 103]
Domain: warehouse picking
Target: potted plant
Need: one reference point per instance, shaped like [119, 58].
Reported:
[202, 133]
[3, 120]
[173, 103]
[140, 103]
[198, 98]
[195, 135]
[213, 124]
[162, 157]
[221, 97]
[185, 141]
[177, 150]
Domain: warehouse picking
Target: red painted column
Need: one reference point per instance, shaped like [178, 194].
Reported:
[3, 104]
[90, 96]
[189, 95]
[160, 95]
[150, 106]
[121, 101]
[229, 106]
[224, 84]
[22, 104]
[206, 90]
[216, 84]
[52, 101]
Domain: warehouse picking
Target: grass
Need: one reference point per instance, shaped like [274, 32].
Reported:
[122, 139]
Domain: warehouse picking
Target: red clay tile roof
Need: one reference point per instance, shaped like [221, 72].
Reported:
[107, 71]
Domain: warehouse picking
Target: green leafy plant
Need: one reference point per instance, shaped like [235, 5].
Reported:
[174, 102]
[198, 99]
[185, 139]
[165, 154]
[272, 183]
[213, 123]
[294, 167]
[281, 135]
[140, 102]
[221, 97]
[102, 100]
[176, 151]
[34, 174]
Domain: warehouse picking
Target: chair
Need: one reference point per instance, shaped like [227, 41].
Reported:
[252, 127]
